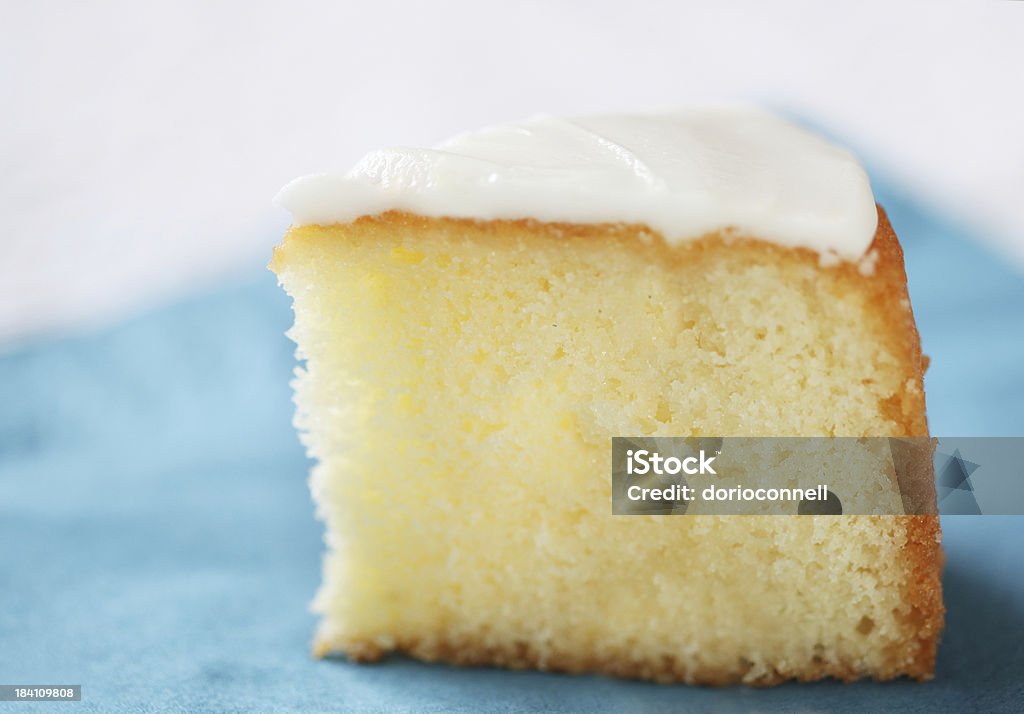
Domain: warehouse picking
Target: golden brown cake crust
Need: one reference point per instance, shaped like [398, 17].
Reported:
[923, 589]
[881, 275]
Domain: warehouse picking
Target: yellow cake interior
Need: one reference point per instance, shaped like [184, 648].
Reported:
[460, 387]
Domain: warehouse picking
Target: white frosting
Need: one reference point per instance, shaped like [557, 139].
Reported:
[683, 174]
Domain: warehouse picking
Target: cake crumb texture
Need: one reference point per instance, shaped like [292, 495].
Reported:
[460, 385]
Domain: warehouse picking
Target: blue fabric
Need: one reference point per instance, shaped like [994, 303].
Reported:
[158, 546]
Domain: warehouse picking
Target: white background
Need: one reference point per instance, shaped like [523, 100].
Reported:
[141, 144]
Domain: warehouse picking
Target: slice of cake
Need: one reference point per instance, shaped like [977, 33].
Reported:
[477, 321]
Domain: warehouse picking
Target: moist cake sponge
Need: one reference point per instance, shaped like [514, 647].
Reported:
[461, 382]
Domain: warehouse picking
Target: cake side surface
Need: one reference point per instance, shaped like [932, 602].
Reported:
[462, 381]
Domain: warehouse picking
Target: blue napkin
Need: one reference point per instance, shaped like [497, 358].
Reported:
[158, 545]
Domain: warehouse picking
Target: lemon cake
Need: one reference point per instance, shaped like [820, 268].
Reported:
[475, 322]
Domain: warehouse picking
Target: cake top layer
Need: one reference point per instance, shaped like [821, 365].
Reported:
[684, 174]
